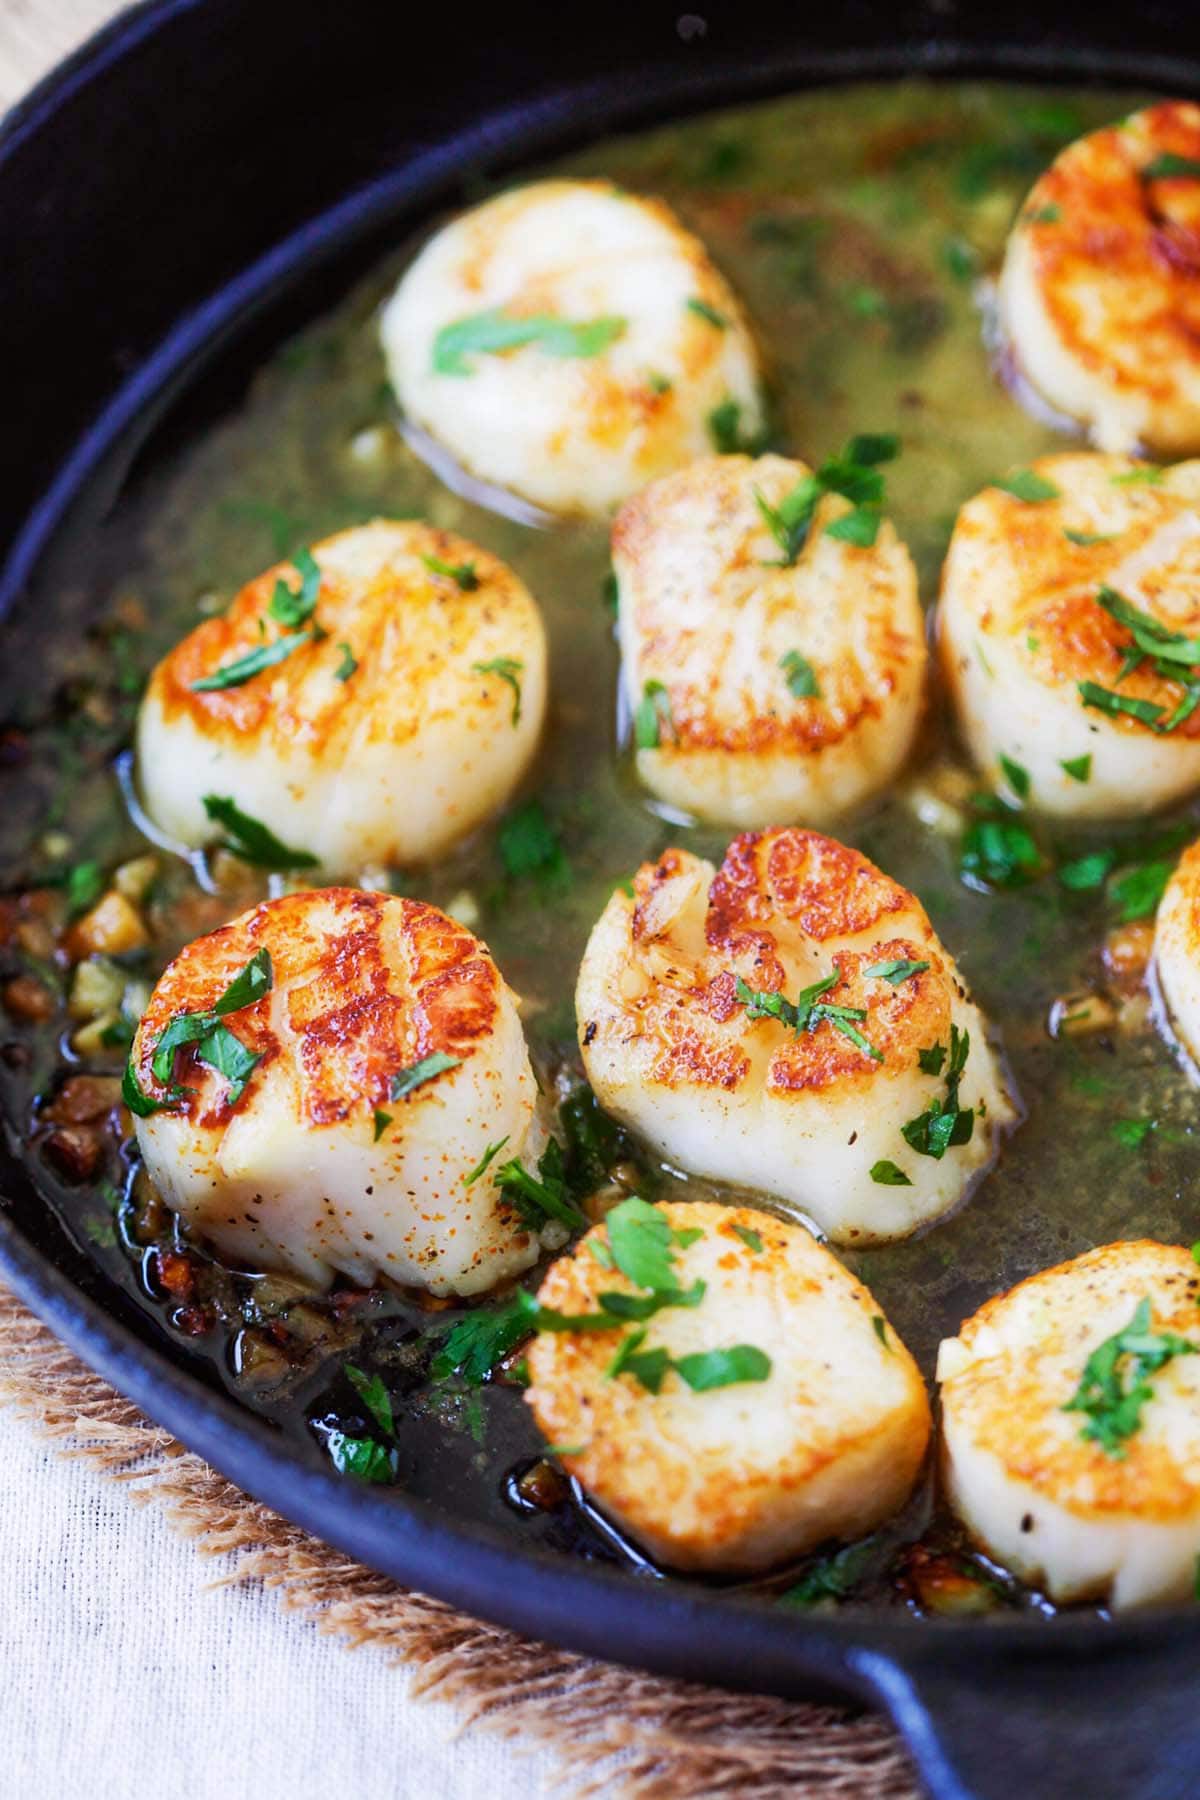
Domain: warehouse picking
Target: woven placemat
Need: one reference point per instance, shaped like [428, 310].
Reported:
[607, 1730]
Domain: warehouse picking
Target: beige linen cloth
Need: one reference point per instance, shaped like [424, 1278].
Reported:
[131, 1664]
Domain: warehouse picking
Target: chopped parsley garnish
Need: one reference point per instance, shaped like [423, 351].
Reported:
[750, 1238]
[295, 606]
[374, 1396]
[1042, 215]
[932, 1060]
[1136, 893]
[251, 840]
[1079, 768]
[854, 475]
[490, 333]
[643, 1243]
[807, 1011]
[1113, 1388]
[140, 1103]
[704, 1370]
[287, 606]
[215, 1045]
[348, 664]
[485, 1162]
[1087, 872]
[724, 424]
[1150, 473]
[509, 669]
[708, 313]
[944, 1123]
[830, 1579]
[418, 1073]
[541, 1197]
[245, 668]
[889, 1174]
[658, 384]
[528, 845]
[1148, 712]
[879, 1326]
[1027, 485]
[382, 1121]
[1016, 776]
[653, 716]
[895, 971]
[364, 1457]
[474, 1346]
[800, 676]
[1131, 1134]
[464, 575]
[84, 884]
[998, 850]
[1085, 539]
[1169, 166]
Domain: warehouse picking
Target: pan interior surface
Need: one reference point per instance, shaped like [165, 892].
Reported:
[860, 223]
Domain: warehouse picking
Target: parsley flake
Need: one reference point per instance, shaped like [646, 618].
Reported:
[1079, 768]
[374, 1396]
[492, 332]
[710, 314]
[889, 1174]
[1113, 1389]
[943, 1124]
[1169, 166]
[251, 840]
[800, 675]
[485, 1162]
[750, 1238]
[653, 716]
[1027, 485]
[382, 1121]
[348, 664]
[895, 972]
[464, 574]
[508, 669]
[418, 1073]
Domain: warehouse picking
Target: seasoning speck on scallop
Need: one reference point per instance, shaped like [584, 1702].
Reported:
[1069, 632]
[1071, 1426]
[316, 1084]
[764, 1407]
[772, 639]
[791, 1023]
[1100, 294]
[569, 341]
[370, 702]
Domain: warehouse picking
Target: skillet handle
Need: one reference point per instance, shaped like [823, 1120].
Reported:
[1117, 1723]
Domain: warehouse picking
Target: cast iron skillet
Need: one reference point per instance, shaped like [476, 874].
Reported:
[162, 194]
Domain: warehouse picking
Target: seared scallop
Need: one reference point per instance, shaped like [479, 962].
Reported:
[345, 1062]
[1071, 1426]
[1069, 630]
[791, 1023]
[370, 703]
[1100, 293]
[809, 1422]
[1177, 951]
[569, 341]
[763, 690]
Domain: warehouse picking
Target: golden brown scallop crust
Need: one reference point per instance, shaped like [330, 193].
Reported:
[772, 887]
[688, 642]
[639, 1456]
[1009, 1403]
[352, 1019]
[1117, 257]
[403, 621]
[1014, 571]
[613, 407]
